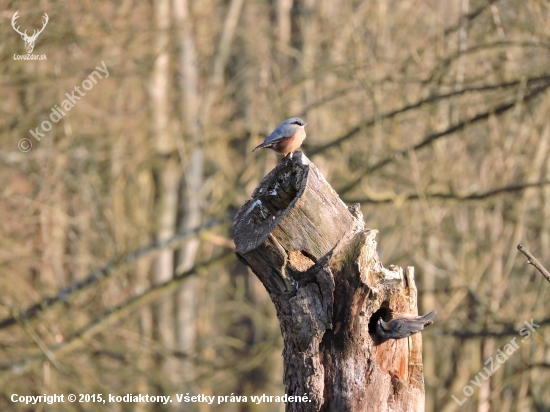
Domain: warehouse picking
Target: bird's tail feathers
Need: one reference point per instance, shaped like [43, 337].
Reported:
[262, 146]
[428, 316]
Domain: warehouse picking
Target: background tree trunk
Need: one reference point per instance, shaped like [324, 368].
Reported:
[319, 264]
[166, 174]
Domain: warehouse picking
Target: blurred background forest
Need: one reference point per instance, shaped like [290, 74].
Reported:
[434, 115]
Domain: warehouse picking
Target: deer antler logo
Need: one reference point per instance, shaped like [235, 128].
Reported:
[29, 40]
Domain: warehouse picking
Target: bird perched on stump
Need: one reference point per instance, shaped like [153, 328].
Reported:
[403, 325]
[286, 138]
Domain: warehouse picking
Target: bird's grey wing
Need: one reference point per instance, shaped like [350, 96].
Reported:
[409, 327]
[283, 131]
[410, 316]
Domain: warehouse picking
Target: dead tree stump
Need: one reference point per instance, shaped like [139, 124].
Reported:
[319, 264]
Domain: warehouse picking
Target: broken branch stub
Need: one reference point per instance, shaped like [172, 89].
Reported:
[319, 264]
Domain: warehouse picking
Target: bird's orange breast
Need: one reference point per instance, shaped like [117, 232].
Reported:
[290, 144]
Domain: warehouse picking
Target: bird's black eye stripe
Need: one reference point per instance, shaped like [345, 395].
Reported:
[298, 122]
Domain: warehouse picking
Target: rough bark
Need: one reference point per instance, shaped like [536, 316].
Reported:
[319, 264]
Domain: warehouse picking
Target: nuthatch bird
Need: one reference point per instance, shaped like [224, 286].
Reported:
[286, 138]
[403, 325]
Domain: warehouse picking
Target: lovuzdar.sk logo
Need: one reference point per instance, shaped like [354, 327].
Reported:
[29, 40]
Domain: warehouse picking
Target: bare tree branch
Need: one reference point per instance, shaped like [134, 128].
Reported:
[430, 99]
[533, 261]
[470, 16]
[111, 316]
[442, 67]
[539, 365]
[221, 57]
[399, 154]
[104, 271]
[451, 196]
[507, 330]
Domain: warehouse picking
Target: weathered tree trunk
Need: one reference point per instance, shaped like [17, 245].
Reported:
[319, 264]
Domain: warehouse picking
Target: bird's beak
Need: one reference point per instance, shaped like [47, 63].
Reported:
[306, 124]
